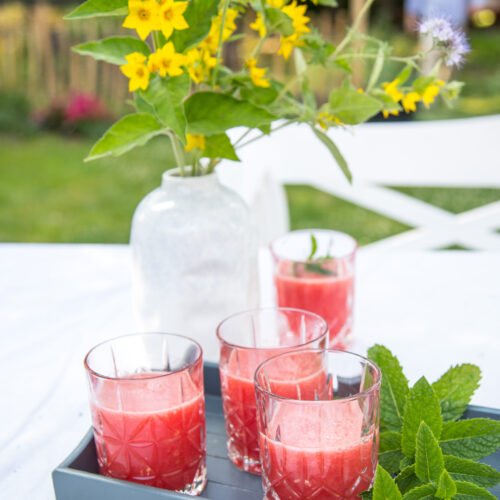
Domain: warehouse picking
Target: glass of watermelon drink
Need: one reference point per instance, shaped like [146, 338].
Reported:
[323, 447]
[148, 410]
[246, 339]
[314, 270]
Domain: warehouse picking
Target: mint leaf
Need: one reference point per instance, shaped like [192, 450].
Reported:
[394, 388]
[461, 469]
[474, 438]
[429, 461]
[425, 492]
[469, 491]
[384, 487]
[390, 454]
[446, 486]
[455, 389]
[407, 480]
[421, 404]
[314, 247]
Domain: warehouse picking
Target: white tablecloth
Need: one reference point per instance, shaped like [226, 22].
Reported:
[57, 301]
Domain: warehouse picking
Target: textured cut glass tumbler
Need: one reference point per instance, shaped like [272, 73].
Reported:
[148, 410]
[246, 339]
[322, 283]
[319, 444]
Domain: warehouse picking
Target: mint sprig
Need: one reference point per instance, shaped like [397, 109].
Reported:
[425, 452]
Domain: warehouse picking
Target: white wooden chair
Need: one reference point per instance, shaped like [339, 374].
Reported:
[450, 153]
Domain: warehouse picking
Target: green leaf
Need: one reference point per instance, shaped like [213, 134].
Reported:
[141, 105]
[388, 103]
[407, 480]
[405, 74]
[390, 454]
[328, 3]
[469, 491]
[212, 113]
[99, 8]
[421, 404]
[384, 487]
[127, 133]
[394, 388]
[343, 65]
[113, 50]
[261, 96]
[352, 107]
[198, 16]
[165, 95]
[377, 68]
[446, 486]
[474, 438]
[455, 389]
[425, 492]
[420, 84]
[367, 495]
[314, 247]
[334, 150]
[279, 21]
[308, 95]
[429, 461]
[318, 47]
[219, 146]
[461, 469]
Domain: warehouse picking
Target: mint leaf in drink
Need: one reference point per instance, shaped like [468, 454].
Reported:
[407, 480]
[461, 469]
[474, 438]
[469, 491]
[422, 404]
[455, 389]
[384, 487]
[446, 486]
[425, 492]
[314, 247]
[429, 463]
[389, 453]
[394, 388]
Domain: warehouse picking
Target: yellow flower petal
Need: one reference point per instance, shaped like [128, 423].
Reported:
[195, 141]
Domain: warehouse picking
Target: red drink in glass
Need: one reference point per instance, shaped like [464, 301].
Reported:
[324, 286]
[246, 340]
[148, 413]
[323, 448]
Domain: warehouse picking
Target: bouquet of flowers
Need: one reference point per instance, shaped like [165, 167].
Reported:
[184, 90]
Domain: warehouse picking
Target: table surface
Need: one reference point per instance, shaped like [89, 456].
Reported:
[433, 309]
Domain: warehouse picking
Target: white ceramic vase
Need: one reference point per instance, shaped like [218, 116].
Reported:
[194, 258]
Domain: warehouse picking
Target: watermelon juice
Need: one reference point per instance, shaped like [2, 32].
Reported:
[150, 429]
[318, 452]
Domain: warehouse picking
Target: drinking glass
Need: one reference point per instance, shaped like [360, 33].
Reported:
[148, 410]
[246, 339]
[321, 443]
[318, 279]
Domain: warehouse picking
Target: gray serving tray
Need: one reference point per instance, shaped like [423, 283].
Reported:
[77, 478]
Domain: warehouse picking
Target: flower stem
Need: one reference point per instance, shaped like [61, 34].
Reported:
[253, 139]
[179, 155]
[219, 45]
[156, 40]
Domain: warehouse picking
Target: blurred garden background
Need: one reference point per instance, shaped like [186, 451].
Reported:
[54, 103]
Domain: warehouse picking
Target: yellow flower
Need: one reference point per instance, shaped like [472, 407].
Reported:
[276, 3]
[299, 22]
[257, 74]
[199, 63]
[211, 42]
[431, 92]
[392, 90]
[325, 120]
[195, 141]
[410, 101]
[394, 112]
[137, 71]
[288, 43]
[171, 16]
[167, 61]
[142, 16]
[259, 25]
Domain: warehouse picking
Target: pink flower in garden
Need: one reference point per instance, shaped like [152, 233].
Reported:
[85, 107]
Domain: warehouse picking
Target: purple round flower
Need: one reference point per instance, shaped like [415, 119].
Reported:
[448, 38]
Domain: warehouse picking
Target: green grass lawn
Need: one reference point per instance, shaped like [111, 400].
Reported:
[47, 194]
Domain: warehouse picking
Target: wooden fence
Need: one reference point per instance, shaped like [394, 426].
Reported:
[36, 56]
